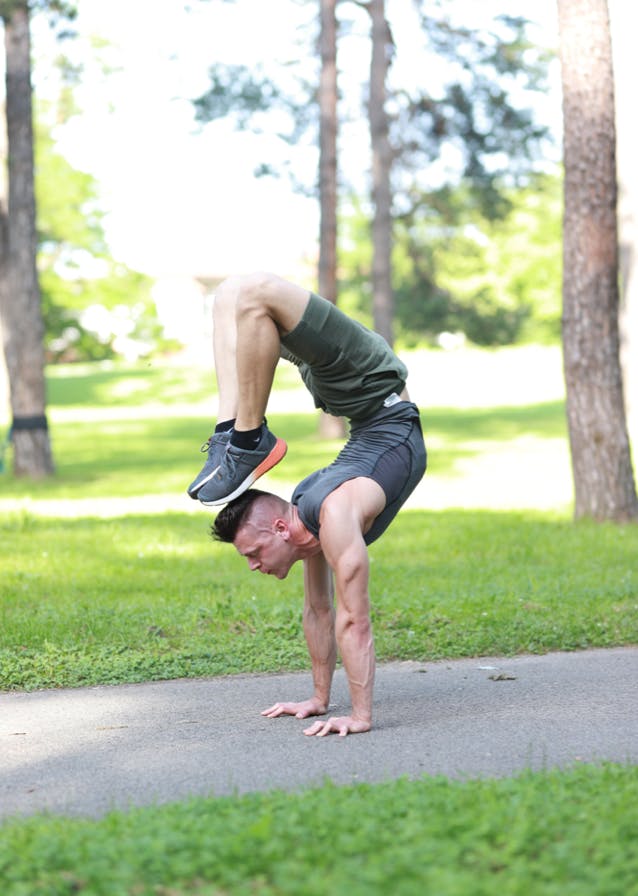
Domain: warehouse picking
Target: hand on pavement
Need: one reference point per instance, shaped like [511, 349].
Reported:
[343, 725]
[312, 707]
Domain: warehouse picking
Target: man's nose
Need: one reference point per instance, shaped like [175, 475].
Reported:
[253, 565]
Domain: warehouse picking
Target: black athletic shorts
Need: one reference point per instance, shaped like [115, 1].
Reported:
[387, 447]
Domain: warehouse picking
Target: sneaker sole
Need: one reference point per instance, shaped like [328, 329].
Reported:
[276, 454]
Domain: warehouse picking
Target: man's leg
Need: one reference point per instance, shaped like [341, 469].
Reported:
[250, 314]
[225, 348]
[225, 351]
[266, 308]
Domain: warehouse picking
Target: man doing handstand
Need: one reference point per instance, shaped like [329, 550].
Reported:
[334, 513]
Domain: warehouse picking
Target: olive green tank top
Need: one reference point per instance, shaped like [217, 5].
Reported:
[348, 369]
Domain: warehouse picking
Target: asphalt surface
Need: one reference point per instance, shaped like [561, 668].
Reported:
[86, 751]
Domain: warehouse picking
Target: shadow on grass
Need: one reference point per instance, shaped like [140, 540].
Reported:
[546, 420]
[118, 383]
[129, 457]
[107, 384]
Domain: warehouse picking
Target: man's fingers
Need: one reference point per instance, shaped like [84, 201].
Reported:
[314, 729]
[342, 726]
[273, 711]
[299, 710]
[320, 729]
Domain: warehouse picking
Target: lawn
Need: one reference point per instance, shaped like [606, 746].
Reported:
[145, 597]
[109, 575]
[547, 834]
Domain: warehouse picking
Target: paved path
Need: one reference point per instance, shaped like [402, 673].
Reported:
[83, 752]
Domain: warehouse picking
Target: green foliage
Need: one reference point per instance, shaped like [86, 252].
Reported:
[245, 92]
[513, 265]
[68, 213]
[546, 833]
[477, 114]
[76, 271]
[497, 281]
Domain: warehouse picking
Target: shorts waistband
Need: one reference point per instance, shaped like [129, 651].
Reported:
[391, 400]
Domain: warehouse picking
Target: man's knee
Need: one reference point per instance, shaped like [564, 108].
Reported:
[244, 293]
[265, 295]
[256, 292]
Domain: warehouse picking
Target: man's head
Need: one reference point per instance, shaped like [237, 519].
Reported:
[258, 525]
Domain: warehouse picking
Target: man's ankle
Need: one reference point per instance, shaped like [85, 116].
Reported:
[246, 439]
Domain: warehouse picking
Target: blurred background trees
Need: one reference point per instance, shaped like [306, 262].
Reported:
[50, 234]
[448, 153]
[439, 185]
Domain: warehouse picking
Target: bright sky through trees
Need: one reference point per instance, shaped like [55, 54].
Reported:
[184, 200]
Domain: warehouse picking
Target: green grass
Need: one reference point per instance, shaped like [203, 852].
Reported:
[131, 385]
[572, 833]
[148, 597]
[159, 454]
[135, 429]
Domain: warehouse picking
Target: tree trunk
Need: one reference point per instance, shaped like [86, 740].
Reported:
[601, 463]
[21, 310]
[329, 427]
[382, 296]
[4, 286]
[328, 153]
[622, 17]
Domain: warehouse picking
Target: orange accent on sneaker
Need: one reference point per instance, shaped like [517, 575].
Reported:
[277, 453]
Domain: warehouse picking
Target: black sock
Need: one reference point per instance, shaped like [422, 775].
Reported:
[225, 426]
[247, 439]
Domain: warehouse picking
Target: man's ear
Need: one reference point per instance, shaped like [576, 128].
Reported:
[280, 527]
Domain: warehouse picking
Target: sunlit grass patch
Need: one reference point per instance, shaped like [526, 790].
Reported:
[123, 593]
[147, 597]
[545, 833]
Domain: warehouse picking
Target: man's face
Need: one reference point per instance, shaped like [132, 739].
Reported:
[266, 550]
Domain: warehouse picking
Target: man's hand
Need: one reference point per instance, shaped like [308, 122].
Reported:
[312, 707]
[343, 725]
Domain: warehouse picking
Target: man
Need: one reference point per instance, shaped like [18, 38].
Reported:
[334, 513]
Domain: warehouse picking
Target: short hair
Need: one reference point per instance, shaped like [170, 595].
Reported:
[229, 520]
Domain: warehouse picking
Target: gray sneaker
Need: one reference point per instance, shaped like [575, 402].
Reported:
[216, 447]
[239, 468]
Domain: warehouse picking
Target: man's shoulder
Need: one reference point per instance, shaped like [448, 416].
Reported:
[355, 499]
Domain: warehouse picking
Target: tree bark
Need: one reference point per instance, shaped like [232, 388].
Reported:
[382, 295]
[20, 307]
[601, 463]
[329, 427]
[328, 152]
[622, 17]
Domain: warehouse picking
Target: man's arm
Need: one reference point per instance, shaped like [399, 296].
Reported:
[319, 629]
[345, 517]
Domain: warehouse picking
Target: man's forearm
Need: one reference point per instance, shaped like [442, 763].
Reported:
[356, 646]
[320, 638]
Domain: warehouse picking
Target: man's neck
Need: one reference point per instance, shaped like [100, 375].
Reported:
[304, 541]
